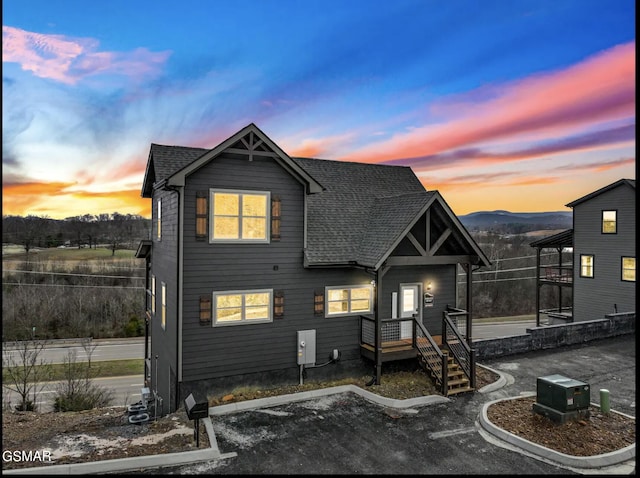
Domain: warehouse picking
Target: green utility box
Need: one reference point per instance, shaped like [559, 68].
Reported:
[561, 398]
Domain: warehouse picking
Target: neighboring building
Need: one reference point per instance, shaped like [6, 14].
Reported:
[602, 273]
[253, 252]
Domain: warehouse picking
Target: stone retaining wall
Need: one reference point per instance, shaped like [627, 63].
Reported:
[552, 336]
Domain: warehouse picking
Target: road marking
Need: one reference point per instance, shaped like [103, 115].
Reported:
[448, 433]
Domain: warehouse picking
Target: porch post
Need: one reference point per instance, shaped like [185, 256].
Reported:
[376, 291]
[559, 249]
[469, 303]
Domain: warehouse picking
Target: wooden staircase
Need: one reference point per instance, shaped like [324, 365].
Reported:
[457, 381]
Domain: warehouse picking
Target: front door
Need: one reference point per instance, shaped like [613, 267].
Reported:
[409, 305]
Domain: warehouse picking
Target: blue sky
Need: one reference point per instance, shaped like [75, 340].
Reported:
[517, 105]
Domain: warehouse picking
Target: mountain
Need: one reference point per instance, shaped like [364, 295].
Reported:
[485, 220]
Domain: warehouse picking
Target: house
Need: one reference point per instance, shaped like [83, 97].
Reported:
[600, 275]
[264, 268]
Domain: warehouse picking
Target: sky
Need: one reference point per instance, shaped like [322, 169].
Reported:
[521, 105]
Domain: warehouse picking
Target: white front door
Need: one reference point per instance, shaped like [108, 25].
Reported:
[409, 305]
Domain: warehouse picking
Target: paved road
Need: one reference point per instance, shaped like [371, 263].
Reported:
[493, 330]
[126, 390]
[345, 434]
[105, 349]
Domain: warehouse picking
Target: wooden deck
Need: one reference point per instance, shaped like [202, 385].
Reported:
[396, 349]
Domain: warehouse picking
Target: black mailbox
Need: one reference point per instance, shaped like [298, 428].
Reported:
[196, 407]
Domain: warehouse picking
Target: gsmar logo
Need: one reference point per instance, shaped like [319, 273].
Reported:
[24, 455]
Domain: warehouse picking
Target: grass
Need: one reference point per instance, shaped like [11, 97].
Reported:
[68, 254]
[102, 368]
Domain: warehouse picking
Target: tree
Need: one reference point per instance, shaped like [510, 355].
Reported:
[78, 391]
[26, 371]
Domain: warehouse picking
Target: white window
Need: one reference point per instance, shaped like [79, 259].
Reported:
[349, 300]
[164, 306]
[242, 307]
[629, 269]
[239, 216]
[609, 222]
[159, 220]
[586, 265]
[153, 294]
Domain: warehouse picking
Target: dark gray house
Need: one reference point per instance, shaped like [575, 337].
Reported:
[601, 273]
[263, 268]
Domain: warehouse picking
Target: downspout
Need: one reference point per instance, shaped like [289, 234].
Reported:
[180, 190]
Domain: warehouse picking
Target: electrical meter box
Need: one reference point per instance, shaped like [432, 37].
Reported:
[562, 393]
[306, 347]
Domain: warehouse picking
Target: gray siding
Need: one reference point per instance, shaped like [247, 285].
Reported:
[443, 283]
[214, 352]
[164, 264]
[595, 297]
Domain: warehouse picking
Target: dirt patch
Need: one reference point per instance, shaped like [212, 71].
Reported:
[92, 435]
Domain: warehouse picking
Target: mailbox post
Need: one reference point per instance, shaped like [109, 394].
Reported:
[196, 408]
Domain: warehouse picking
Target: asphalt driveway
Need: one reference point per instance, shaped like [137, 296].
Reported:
[346, 434]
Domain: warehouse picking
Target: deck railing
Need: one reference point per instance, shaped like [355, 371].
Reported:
[429, 352]
[557, 273]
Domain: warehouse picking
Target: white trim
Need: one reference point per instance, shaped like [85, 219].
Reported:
[240, 193]
[348, 288]
[243, 320]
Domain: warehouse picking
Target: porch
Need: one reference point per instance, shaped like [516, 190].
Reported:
[447, 358]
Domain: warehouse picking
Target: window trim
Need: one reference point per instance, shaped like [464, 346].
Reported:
[349, 288]
[243, 321]
[622, 269]
[240, 240]
[615, 221]
[593, 266]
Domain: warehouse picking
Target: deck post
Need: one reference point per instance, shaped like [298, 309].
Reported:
[538, 249]
[469, 302]
[378, 334]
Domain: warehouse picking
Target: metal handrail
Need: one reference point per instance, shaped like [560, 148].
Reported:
[431, 348]
[462, 353]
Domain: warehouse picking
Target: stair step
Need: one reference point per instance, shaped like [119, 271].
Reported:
[454, 383]
[455, 391]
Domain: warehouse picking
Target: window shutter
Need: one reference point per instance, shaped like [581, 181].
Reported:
[275, 218]
[318, 302]
[201, 215]
[278, 304]
[205, 310]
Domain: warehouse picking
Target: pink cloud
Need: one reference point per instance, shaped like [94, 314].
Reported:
[69, 60]
[599, 89]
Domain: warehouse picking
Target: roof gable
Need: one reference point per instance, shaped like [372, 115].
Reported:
[621, 182]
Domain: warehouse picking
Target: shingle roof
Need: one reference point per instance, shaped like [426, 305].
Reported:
[362, 211]
[358, 197]
[166, 160]
[619, 182]
[561, 239]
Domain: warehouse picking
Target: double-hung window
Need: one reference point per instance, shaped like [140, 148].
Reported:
[242, 307]
[239, 216]
[159, 220]
[153, 294]
[609, 222]
[164, 307]
[629, 269]
[586, 265]
[349, 300]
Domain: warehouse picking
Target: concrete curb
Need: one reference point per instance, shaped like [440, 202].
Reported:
[301, 396]
[597, 461]
[133, 463]
[501, 382]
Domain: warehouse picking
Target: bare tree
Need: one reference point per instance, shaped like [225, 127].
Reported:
[26, 370]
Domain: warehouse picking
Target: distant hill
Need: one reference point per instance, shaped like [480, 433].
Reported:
[517, 222]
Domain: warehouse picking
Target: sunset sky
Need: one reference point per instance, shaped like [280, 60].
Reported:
[516, 105]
